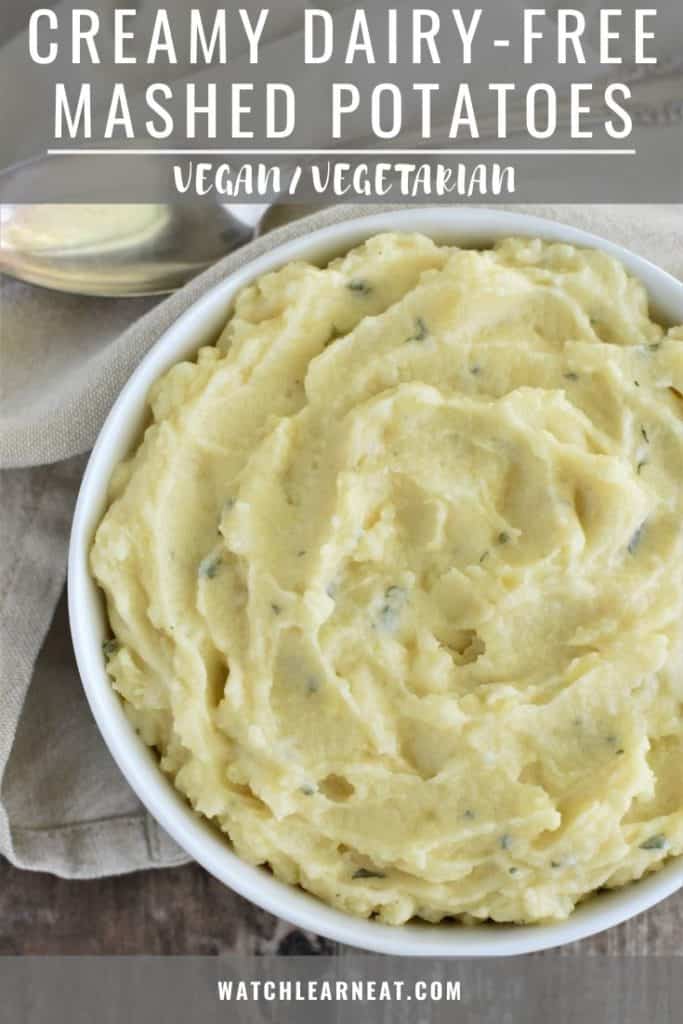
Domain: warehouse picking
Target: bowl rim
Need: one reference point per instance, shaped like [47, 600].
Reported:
[197, 325]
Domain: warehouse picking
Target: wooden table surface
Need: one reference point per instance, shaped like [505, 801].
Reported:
[184, 910]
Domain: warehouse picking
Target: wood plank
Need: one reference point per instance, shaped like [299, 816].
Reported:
[185, 911]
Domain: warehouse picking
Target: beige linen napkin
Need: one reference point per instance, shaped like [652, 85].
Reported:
[64, 807]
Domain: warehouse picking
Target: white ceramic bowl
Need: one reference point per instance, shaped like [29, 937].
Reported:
[199, 325]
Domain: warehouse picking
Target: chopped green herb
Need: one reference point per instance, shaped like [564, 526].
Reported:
[209, 566]
[655, 347]
[503, 537]
[571, 375]
[359, 287]
[644, 433]
[394, 599]
[364, 873]
[505, 842]
[657, 842]
[110, 648]
[619, 751]
[468, 814]
[421, 330]
[555, 864]
[483, 557]
[637, 383]
[636, 538]
[307, 789]
[475, 370]
[276, 609]
[300, 554]
[641, 466]
[513, 871]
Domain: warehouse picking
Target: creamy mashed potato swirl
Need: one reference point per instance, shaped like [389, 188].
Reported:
[396, 579]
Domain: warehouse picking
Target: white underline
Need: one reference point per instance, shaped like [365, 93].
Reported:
[341, 152]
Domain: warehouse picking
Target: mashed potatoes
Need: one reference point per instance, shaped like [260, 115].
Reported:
[396, 579]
